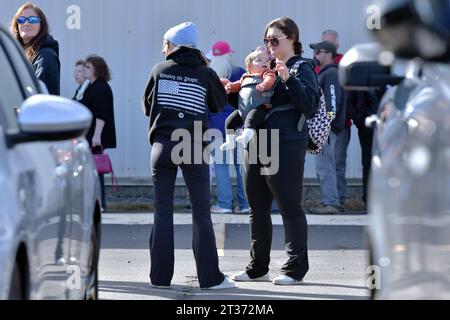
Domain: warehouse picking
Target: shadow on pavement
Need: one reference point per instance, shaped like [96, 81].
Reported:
[237, 237]
[180, 292]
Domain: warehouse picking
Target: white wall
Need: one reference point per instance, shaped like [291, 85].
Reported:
[128, 34]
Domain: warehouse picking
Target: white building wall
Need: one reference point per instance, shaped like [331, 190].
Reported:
[128, 34]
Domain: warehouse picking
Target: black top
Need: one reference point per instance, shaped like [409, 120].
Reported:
[76, 92]
[334, 96]
[179, 92]
[47, 66]
[362, 104]
[98, 97]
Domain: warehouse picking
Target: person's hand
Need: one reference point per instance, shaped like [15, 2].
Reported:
[96, 141]
[261, 87]
[224, 81]
[282, 70]
[228, 88]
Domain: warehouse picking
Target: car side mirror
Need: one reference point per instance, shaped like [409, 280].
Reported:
[365, 67]
[51, 118]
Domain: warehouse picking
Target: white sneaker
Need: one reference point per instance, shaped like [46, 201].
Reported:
[245, 137]
[243, 277]
[238, 210]
[217, 209]
[230, 143]
[286, 281]
[226, 284]
[227, 146]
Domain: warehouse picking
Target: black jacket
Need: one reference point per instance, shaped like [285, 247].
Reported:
[334, 96]
[179, 92]
[99, 99]
[47, 66]
[362, 104]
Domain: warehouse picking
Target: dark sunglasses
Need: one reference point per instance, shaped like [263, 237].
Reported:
[31, 20]
[274, 42]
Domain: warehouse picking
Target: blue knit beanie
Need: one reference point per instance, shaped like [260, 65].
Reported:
[184, 34]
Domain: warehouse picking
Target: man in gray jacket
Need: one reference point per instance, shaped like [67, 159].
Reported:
[325, 53]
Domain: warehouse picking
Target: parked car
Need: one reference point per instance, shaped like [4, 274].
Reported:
[50, 195]
[409, 196]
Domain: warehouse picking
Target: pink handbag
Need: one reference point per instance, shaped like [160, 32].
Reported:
[104, 165]
[102, 160]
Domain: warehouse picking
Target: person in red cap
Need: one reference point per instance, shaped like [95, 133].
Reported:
[221, 48]
[223, 65]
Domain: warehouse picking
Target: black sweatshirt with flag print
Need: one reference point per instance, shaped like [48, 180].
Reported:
[182, 90]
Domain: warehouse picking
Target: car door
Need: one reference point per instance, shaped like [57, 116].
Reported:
[83, 199]
[42, 173]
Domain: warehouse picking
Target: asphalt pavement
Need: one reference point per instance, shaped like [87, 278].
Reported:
[337, 254]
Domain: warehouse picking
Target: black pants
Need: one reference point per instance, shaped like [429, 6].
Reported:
[196, 177]
[286, 188]
[101, 176]
[255, 118]
[366, 141]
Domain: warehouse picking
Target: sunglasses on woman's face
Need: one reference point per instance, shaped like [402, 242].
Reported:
[274, 42]
[31, 20]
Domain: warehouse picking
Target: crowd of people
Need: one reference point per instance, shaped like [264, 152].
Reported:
[349, 108]
[278, 87]
[31, 29]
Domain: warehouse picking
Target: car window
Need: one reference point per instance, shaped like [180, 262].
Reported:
[11, 96]
[28, 81]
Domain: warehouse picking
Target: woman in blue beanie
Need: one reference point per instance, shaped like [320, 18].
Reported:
[177, 96]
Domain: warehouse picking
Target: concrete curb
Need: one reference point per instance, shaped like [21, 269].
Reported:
[186, 219]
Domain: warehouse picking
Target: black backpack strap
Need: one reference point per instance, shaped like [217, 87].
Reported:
[294, 70]
[301, 123]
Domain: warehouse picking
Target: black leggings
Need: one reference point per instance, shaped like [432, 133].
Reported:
[196, 177]
[255, 118]
[286, 188]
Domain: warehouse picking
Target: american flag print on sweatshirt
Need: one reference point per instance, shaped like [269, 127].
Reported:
[182, 95]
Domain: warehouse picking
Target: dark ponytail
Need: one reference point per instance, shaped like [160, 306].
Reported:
[298, 48]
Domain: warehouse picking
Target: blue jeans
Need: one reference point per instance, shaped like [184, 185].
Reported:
[326, 172]
[343, 139]
[224, 187]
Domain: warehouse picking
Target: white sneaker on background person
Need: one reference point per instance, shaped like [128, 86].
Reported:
[217, 209]
[238, 210]
[230, 143]
[246, 136]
